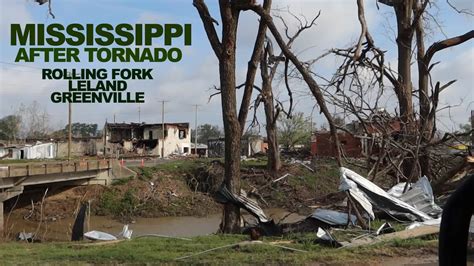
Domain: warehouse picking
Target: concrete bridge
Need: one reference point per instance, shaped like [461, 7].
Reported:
[15, 177]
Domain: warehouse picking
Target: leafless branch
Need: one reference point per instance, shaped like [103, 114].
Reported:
[252, 68]
[208, 21]
[460, 11]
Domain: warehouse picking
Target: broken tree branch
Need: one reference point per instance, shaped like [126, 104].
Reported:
[312, 84]
[252, 69]
[208, 21]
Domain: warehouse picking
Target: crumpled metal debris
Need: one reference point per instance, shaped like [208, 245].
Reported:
[385, 228]
[378, 197]
[325, 238]
[305, 164]
[223, 195]
[420, 195]
[332, 218]
[433, 222]
[23, 236]
[357, 195]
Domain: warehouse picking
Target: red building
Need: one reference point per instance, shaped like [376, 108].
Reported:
[322, 145]
[360, 142]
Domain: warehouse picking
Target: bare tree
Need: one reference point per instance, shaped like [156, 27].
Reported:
[303, 69]
[364, 68]
[225, 51]
[34, 121]
[272, 107]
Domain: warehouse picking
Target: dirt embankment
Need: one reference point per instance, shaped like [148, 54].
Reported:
[186, 189]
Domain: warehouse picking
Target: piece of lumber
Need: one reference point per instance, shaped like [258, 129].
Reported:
[405, 234]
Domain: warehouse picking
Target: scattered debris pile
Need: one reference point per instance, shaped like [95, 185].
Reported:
[411, 205]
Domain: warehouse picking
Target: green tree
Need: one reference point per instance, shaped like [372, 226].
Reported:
[83, 130]
[205, 132]
[466, 130]
[10, 127]
[79, 130]
[294, 131]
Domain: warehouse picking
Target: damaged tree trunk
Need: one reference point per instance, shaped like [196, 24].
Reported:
[225, 50]
[230, 223]
[403, 88]
[273, 153]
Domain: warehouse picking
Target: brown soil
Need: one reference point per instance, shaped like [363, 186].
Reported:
[186, 194]
[167, 197]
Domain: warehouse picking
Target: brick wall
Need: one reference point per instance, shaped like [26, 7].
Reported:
[323, 145]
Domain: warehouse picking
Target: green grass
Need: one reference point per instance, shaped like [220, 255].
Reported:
[258, 163]
[172, 167]
[161, 250]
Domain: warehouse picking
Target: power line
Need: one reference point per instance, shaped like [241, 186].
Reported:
[195, 128]
[163, 127]
[15, 64]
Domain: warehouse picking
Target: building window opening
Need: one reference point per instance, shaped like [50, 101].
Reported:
[182, 134]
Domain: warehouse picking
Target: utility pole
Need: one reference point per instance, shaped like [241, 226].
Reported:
[138, 112]
[105, 137]
[163, 128]
[196, 129]
[69, 133]
[114, 118]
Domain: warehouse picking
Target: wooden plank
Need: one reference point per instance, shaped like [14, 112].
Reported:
[423, 230]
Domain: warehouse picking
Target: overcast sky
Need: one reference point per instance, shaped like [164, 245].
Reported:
[187, 83]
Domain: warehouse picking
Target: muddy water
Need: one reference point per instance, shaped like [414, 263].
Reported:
[186, 226]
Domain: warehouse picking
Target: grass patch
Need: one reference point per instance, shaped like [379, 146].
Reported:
[119, 205]
[324, 179]
[172, 168]
[159, 250]
[258, 163]
[181, 166]
[121, 181]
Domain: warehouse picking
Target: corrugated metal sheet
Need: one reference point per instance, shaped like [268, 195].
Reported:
[358, 196]
[379, 197]
[421, 197]
[333, 218]
[244, 202]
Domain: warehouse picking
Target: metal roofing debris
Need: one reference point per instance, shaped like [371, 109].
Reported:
[333, 218]
[103, 236]
[358, 196]
[242, 201]
[421, 197]
[98, 235]
[302, 163]
[397, 190]
[384, 229]
[433, 222]
[23, 236]
[379, 197]
[324, 237]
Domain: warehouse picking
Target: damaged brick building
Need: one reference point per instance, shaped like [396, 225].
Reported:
[359, 140]
[147, 139]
